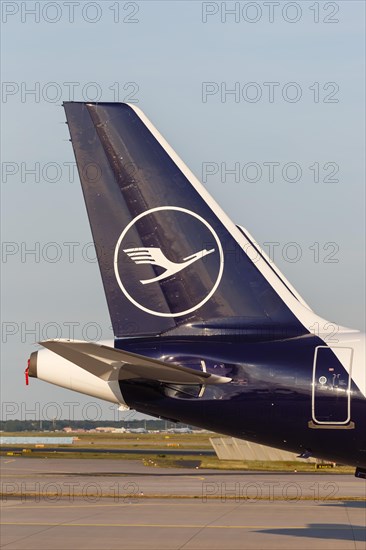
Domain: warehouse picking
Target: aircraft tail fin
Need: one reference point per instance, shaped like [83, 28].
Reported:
[170, 259]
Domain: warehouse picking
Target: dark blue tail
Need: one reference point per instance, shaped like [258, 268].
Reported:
[170, 259]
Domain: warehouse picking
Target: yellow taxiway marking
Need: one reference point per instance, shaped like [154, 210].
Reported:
[176, 526]
[159, 525]
[84, 476]
[136, 502]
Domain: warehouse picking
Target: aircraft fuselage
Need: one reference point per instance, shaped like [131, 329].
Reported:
[292, 394]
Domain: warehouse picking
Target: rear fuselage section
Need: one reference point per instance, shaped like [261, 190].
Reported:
[291, 393]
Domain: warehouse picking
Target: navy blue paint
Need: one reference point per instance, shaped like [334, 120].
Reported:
[269, 400]
[136, 175]
[244, 331]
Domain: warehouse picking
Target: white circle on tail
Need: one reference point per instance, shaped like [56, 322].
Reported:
[219, 275]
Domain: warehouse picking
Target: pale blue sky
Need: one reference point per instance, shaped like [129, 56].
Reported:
[168, 54]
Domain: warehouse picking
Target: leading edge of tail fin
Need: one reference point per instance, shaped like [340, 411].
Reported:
[168, 255]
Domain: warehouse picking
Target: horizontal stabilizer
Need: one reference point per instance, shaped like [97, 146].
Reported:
[110, 363]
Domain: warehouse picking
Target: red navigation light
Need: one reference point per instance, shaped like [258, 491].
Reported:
[26, 372]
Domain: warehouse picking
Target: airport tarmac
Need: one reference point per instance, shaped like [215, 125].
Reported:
[120, 451]
[92, 503]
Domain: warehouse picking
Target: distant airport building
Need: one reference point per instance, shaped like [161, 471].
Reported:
[230, 448]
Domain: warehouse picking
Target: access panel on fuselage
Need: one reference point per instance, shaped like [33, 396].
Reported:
[331, 389]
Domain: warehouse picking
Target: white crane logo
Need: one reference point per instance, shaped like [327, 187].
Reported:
[155, 256]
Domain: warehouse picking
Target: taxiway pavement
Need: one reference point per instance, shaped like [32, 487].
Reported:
[91, 503]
